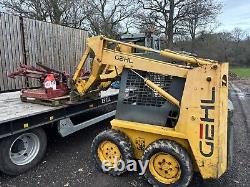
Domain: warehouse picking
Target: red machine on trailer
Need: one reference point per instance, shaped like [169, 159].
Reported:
[54, 84]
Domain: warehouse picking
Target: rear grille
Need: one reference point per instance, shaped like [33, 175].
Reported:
[137, 93]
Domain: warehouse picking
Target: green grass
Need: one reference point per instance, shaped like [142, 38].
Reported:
[241, 72]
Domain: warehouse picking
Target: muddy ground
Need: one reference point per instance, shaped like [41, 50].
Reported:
[68, 161]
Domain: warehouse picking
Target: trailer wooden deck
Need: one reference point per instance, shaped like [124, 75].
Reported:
[11, 106]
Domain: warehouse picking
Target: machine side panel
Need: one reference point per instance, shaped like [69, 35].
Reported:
[203, 118]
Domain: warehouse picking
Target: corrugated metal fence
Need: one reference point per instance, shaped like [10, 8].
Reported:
[27, 41]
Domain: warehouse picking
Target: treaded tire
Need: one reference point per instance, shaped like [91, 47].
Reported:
[180, 154]
[6, 164]
[120, 140]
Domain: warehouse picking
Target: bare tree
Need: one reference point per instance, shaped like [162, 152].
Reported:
[238, 34]
[201, 13]
[109, 17]
[165, 15]
[64, 12]
[29, 8]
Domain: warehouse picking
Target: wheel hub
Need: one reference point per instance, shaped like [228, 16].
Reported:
[165, 168]
[24, 149]
[108, 151]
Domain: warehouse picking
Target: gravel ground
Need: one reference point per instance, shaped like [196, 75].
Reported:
[68, 161]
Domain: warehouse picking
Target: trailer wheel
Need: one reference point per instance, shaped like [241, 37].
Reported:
[111, 146]
[168, 164]
[22, 152]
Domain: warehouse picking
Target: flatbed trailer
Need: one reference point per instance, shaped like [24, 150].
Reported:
[23, 140]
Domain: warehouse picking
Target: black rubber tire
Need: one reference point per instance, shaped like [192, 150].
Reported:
[7, 166]
[180, 154]
[122, 142]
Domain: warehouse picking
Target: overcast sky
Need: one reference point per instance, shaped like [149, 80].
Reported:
[235, 13]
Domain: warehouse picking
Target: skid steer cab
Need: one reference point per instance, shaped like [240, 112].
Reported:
[173, 117]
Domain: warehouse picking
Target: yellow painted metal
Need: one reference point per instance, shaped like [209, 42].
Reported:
[108, 152]
[121, 58]
[165, 168]
[186, 58]
[114, 72]
[164, 131]
[222, 117]
[167, 53]
[117, 60]
[163, 93]
[209, 144]
[81, 64]
[141, 135]
[136, 62]
[202, 125]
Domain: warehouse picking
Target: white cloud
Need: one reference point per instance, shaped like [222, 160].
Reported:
[236, 13]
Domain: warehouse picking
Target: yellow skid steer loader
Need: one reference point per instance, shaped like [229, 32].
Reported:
[172, 111]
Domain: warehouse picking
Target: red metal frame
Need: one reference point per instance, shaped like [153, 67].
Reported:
[41, 74]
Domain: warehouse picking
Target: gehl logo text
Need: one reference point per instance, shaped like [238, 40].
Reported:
[207, 126]
[123, 59]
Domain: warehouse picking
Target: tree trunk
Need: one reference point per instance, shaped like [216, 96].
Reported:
[193, 35]
[170, 30]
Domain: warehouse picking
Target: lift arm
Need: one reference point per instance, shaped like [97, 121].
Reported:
[111, 56]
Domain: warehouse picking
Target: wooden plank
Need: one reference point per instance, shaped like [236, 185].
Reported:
[18, 49]
[46, 46]
[9, 49]
[70, 48]
[76, 47]
[34, 43]
[28, 45]
[41, 41]
[46, 43]
[2, 65]
[63, 47]
[25, 38]
[79, 51]
[53, 40]
[77, 36]
[51, 49]
[48, 40]
[67, 46]
[13, 39]
[21, 49]
[56, 47]
[38, 55]
[34, 49]
[6, 54]
[38, 44]
[16, 41]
